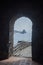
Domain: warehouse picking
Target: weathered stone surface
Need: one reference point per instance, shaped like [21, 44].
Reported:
[18, 61]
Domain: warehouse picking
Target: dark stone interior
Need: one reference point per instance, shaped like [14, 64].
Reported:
[29, 9]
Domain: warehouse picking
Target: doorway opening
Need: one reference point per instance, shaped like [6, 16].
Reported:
[22, 38]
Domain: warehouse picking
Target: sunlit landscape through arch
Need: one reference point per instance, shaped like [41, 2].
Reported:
[22, 39]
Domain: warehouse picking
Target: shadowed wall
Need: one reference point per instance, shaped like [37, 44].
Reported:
[31, 10]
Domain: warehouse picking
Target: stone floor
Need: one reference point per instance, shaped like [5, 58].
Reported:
[18, 61]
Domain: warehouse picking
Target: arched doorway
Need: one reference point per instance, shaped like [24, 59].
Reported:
[22, 38]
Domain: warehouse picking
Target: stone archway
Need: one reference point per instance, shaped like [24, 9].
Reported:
[22, 41]
[11, 32]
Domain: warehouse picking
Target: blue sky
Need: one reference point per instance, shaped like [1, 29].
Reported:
[20, 24]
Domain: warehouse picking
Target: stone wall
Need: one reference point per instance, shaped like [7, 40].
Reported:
[32, 10]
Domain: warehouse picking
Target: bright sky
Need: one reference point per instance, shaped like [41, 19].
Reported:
[23, 23]
[20, 24]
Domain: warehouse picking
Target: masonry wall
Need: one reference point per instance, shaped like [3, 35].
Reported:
[35, 13]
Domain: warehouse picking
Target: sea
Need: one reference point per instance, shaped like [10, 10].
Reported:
[22, 37]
